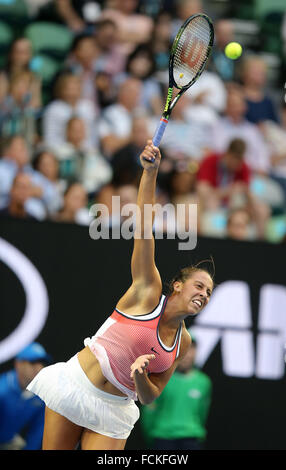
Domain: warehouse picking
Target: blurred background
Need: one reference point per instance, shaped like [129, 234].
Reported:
[82, 86]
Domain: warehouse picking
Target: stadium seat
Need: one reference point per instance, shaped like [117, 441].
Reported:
[6, 37]
[45, 66]
[213, 223]
[268, 191]
[49, 39]
[263, 7]
[276, 229]
[270, 32]
[14, 12]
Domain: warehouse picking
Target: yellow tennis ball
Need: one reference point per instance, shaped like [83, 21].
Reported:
[233, 50]
[181, 75]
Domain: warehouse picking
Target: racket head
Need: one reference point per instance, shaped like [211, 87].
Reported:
[190, 51]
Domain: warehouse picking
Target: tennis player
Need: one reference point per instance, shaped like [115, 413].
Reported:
[91, 398]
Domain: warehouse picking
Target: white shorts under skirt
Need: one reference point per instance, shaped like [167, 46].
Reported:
[65, 388]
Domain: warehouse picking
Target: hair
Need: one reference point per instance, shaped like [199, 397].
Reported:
[185, 273]
[77, 40]
[237, 148]
[142, 50]
[38, 155]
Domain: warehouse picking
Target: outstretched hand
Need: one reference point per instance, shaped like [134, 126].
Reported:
[151, 156]
[141, 364]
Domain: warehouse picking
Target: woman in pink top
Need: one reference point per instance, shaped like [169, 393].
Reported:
[91, 398]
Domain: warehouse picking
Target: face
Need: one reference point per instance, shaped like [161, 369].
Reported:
[71, 89]
[48, 166]
[140, 131]
[18, 151]
[107, 37]
[232, 163]
[76, 198]
[141, 66]
[21, 53]
[236, 106]
[195, 292]
[238, 225]
[85, 51]
[255, 72]
[224, 32]
[129, 93]
[27, 371]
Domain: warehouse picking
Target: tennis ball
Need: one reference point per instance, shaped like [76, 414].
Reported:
[181, 75]
[233, 50]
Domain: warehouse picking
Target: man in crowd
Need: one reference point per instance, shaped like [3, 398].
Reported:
[22, 412]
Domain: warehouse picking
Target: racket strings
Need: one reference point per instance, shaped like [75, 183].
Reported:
[191, 51]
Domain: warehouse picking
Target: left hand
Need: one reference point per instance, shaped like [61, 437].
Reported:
[141, 364]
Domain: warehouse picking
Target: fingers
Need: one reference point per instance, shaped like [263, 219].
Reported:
[140, 364]
[150, 152]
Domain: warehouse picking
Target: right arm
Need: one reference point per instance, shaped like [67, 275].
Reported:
[146, 287]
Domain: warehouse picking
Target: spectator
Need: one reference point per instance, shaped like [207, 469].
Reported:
[19, 194]
[19, 59]
[133, 28]
[238, 224]
[186, 136]
[80, 163]
[220, 177]
[208, 98]
[223, 181]
[260, 106]
[185, 9]
[115, 126]
[234, 125]
[141, 65]
[68, 103]
[275, 135]
[220, 64]
[177, 419]
[125, 163]
[74, 208]
[17, 114]
[110, 59]
[22, 413]
[180, 187]
[82, 62]
[46, 163]
[43, 198]
[160, 44]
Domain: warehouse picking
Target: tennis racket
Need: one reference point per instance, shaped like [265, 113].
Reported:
[189, 54]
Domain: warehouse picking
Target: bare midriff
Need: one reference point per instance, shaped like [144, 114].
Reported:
[91, 367]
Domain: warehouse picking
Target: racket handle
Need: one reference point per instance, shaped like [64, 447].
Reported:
[160, 131]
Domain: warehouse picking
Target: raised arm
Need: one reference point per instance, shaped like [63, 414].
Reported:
[146, 285]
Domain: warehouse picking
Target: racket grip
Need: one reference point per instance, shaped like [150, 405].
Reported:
[160, 131]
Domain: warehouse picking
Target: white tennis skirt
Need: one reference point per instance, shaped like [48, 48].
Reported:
[65, 388]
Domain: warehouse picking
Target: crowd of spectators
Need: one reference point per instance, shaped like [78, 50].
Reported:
[77, 142]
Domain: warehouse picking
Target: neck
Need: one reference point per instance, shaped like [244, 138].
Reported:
[173, 314]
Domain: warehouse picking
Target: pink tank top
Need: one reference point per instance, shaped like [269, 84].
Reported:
[123, 338]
